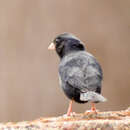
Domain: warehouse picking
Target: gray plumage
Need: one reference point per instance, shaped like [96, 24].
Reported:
[81, 71]
[92, 96]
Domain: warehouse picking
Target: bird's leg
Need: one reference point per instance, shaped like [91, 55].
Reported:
[93, 108]
[70, 108]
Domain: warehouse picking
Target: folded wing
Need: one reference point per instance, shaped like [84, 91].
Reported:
[81, 71]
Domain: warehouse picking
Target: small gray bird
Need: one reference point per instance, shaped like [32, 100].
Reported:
[79, 72]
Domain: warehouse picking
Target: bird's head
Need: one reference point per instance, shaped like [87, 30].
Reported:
[66, 43]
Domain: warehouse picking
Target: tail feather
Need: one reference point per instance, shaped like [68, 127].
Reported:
[92, 96]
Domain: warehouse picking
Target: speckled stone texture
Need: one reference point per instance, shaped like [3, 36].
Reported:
[112, 120]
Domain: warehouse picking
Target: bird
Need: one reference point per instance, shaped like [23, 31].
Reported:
[80, 74]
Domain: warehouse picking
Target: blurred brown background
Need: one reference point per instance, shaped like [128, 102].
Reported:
[29, 86]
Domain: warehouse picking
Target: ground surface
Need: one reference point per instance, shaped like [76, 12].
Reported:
[112, 120]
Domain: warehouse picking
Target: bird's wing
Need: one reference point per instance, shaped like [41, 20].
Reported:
[83, 73]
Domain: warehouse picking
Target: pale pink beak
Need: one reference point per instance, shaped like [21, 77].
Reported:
[51, 46]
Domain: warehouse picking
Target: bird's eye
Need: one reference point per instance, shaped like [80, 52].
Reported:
[57, 40]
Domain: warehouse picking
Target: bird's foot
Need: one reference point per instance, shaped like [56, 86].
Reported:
[95, 111]
[69, 114]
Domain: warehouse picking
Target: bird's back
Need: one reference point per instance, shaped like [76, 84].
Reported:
[81, 71]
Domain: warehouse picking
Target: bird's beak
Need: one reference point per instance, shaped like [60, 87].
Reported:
[51, 46]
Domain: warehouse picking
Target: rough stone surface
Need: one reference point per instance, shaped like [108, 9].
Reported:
[112, 120]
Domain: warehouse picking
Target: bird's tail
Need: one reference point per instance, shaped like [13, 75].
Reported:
[92, 96]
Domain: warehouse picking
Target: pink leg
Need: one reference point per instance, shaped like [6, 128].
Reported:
[93, 108]
[70, 108]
